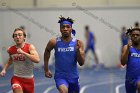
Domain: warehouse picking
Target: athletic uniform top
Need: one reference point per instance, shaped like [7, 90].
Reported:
[133, 63]
[90, 39]
[23, 67]
[65, 59]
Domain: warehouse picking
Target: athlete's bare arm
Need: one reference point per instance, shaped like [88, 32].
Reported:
[80, 53]
[33, 55]
[125, 53]
[8, 63]
[51, 44]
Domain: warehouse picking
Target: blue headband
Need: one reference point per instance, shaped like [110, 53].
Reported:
[66, 22]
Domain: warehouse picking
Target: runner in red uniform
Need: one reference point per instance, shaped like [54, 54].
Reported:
[23, 56]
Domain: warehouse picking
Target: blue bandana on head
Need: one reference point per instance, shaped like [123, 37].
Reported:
[65, 22]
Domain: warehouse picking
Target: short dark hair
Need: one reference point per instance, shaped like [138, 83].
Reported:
[22, 27]
[61, 19]
[20, 30]
[130, 30]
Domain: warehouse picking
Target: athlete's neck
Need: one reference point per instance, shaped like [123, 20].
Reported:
[66, 39]
[20, 45]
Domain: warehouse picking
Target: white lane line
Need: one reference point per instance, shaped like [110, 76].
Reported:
[42, 83]
[97, 84]
[118, 87]
[49, 89]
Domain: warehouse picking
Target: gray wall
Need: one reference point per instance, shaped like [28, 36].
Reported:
[41, 25]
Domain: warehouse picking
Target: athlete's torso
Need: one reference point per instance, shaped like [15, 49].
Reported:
[65, 59]
[23, 67]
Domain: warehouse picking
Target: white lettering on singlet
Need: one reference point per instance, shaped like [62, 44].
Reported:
[65, 49]
[135, 54]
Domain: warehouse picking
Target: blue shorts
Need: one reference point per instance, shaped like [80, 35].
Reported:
[131, 85]
[71, 84]
[90, 47]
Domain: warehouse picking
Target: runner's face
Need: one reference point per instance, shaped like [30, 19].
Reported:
[66, 30]
[19, 37]
[135, 36]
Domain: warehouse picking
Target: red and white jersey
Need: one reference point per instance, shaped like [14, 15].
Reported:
[23, 66]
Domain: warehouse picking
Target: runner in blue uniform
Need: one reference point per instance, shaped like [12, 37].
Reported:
[68, 51]
[90, 44]
[131, 57]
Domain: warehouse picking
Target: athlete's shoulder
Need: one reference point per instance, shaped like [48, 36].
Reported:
[13, 46]
[58, 39]
[127, 47]
[53, 40]
[27, 45]
[51, 43]
[11, 49]
[74, 39]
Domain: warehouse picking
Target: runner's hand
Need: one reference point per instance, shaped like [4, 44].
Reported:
[3, 72]
[48, 74]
